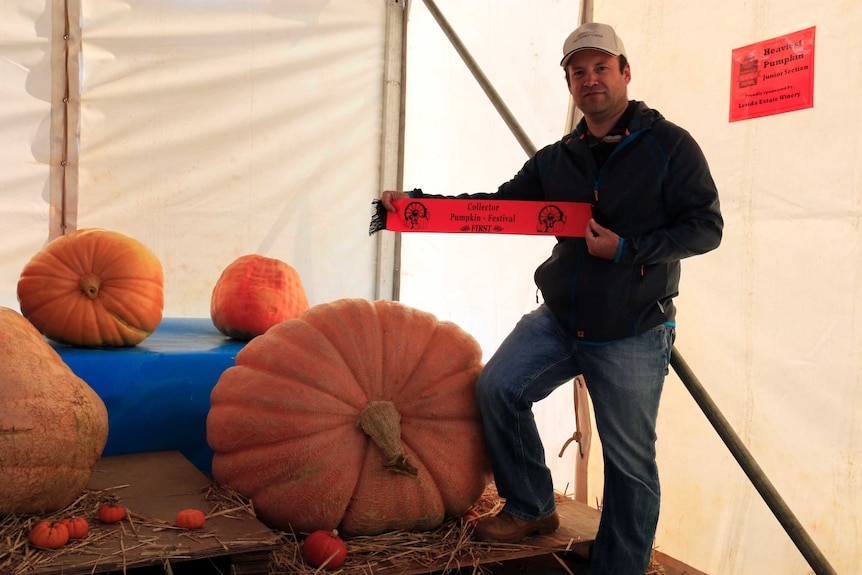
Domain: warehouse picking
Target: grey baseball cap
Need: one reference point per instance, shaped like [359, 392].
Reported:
[592, 36]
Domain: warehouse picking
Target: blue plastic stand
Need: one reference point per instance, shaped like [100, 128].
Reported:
[158, 392]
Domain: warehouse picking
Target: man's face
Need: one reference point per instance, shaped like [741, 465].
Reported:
[596, 82]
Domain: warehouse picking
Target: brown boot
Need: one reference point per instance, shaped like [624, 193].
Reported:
[506, 528]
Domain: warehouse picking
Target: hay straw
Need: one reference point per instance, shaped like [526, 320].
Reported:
[447, 549]
[18, 556]
[655, 568]
[226, 501]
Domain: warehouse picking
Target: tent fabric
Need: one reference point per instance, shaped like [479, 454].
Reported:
[768, 322]
[201, 135]
[771, 318]
[208, 130]
[25, 90]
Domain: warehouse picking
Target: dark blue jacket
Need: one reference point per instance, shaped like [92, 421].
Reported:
[656, 192]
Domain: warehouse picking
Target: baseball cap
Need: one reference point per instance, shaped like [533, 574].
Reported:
[593, 36]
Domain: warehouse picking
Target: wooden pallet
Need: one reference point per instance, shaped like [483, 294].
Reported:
[154, 487]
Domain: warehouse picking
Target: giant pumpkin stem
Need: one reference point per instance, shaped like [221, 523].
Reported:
[382, 423]
[90, 285]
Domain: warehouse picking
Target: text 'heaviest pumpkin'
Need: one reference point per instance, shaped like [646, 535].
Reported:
[93, 288]
[253, 294]
[292, 422]
[53, 426]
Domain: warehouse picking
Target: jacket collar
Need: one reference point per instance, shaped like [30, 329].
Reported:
[641, 118]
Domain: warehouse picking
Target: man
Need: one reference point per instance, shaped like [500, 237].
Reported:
[608, 310]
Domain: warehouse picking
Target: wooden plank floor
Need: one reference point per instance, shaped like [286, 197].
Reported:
[154, 486]
[578, 526]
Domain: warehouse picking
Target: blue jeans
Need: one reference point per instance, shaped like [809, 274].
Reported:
[624, 379]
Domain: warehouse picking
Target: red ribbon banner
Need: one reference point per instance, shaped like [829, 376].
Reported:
[483, 217]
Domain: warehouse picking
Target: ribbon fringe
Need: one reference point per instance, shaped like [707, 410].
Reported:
[378, 217]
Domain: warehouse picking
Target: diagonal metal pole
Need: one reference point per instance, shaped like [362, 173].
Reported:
[758, 478]
[480, 77]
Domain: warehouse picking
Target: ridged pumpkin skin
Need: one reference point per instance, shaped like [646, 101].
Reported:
[53, 426]
[253, 294]
[284, 421]
[93, 288]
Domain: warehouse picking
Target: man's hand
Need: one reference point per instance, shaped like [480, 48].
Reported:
[389, 195]
[601, 242]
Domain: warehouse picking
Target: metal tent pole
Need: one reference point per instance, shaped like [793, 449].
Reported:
[480, 77]
[388, 276]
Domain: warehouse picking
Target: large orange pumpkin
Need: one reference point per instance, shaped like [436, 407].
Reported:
[53, 426]
[93, 288]
[357, 415]
[253, 294]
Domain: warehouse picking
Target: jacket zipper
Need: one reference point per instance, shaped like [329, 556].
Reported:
[622, 144]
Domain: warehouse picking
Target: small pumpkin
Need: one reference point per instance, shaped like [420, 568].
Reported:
[253, 294]
[53, 426]
[190, 519]
[78, 527]
[325, 549]
[93, 288]
[111, 512]
[49, 535]
[356, 415]
[470, 517]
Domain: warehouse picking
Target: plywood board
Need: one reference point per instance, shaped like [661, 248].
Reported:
[154, 487]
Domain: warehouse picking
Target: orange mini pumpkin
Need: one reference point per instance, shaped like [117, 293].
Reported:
[111, 512]
[49, 535]
[190, 519]
[76, 526]
[253, 294]
[357, 415]
[93, 288]
[324, 549]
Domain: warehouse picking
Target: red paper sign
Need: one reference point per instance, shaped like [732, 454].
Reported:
[773, 76]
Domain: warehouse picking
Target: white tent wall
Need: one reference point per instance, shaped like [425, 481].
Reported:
[208, 130]
[768, 322]
[25, 117]
[213, 129]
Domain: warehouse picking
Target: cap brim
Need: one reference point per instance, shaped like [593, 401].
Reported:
[569, 55]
